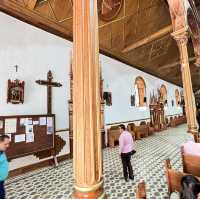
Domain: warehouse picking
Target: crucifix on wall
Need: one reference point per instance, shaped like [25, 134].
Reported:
[49, 83]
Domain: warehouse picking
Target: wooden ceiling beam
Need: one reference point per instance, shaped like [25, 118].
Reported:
[31, 4]
[29, 16]
[162, 32]
[168, 66]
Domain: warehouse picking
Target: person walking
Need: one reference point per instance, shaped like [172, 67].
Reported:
[127, 149]
[4, 144]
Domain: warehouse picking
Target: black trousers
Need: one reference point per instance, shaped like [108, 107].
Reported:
[127, 167]
[2, 190]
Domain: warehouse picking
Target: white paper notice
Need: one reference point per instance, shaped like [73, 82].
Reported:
[49, 130]
[10, 126]
[43, 121]
[35, 122]
[29, 137]
[22, 121]
[49, 121]
[20, 138]
[29, 121]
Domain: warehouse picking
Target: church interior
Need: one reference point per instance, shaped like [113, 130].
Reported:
[74, 72]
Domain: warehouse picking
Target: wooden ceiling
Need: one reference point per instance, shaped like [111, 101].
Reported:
[123, 38]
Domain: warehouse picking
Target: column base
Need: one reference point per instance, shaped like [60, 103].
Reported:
[94, 192]
[194, 131]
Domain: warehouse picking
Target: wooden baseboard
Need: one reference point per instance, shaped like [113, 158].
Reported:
[36, 166]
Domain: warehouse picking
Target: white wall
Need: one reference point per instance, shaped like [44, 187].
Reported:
[36, 52]
[119, 79]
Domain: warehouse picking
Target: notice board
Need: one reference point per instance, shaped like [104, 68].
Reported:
[28, 133]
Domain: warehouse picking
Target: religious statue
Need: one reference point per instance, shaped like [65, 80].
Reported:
[141, 90]
[163, 94]
[15, 94]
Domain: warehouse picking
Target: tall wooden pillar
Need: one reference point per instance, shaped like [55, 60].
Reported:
[181, 37]
[86, 102]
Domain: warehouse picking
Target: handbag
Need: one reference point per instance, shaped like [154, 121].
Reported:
[133, 152]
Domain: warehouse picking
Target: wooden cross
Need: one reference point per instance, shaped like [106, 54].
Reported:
[49, 83]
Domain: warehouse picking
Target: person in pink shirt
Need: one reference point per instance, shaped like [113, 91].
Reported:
[127, 149]
[192, 148]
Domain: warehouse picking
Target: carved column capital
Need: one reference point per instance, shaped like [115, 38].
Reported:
[181, 36]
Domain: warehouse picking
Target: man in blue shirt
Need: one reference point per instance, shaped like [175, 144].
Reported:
[4, 144]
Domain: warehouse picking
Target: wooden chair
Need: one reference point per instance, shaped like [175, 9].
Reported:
[141, 191]
[191, 164]
[173, 178]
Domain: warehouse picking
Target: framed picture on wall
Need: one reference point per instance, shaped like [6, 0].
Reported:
[107, 96]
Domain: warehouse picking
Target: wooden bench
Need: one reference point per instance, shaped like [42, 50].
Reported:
[141, 191]
[173, 178]
[172, 122]
[151, 128]
[141, 131]
[113, 135]
[191, 164]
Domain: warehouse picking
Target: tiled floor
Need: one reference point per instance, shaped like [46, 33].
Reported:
[57, 183]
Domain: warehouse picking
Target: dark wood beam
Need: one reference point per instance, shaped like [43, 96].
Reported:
[31, 4]
[160, 33]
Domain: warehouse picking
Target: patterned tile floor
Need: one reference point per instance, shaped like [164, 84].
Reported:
[57, 183]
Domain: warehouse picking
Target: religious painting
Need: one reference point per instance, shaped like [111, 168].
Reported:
[107, 96]
[15, 92]
[109, 9]
[140, 90]
[132, 100]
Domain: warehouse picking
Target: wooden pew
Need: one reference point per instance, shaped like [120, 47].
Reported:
[141, 191]
[141, 131]
[113, 135]
[173, 178]
[172, 122]
[151, 128]
[191, 164]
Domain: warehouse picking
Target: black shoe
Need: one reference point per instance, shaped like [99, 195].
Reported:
[131, 178]
[126, 179]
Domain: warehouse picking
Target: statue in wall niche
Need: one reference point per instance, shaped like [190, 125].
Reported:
[140, 88]
[15, 92]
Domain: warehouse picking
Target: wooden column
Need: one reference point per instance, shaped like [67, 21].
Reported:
[181, 37]
[86, 102]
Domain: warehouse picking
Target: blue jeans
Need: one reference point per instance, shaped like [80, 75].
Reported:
[2, 190]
